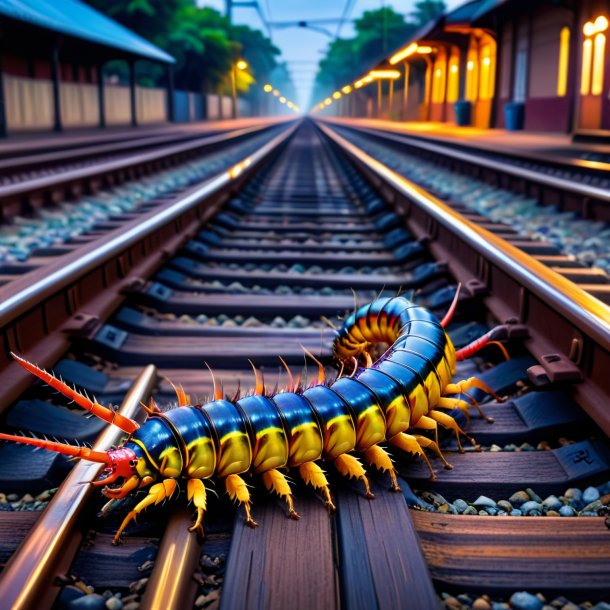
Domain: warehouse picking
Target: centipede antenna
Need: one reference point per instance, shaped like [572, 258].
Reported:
[217, 388]
[449, 315]
[259, 389]
[124, 423]
[321, 372]
[290, 386]
[76, 452]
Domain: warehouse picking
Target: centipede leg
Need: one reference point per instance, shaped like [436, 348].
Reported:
[426, 443]
[157, 493]
[465, 385]
[454, 403]
[350, 466]
[275, 481]
[448, 422]
[313, 475]
[380, 458]
[195, 490]
[238, 490]
[409, 443]
[427, 423]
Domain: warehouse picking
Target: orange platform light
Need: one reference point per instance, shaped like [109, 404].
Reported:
[384, 74]
[403, 53]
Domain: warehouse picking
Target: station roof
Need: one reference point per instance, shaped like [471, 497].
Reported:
[466, 12]
[79, 20]
[486, 7]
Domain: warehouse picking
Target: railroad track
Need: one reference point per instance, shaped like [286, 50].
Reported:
[244, 267]
[553, 207]
[69, 210]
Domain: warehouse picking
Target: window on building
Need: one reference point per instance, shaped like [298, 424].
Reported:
[453, 82]
[593, 50]
[487, 71]
[438, 81]
[597, 82]
[563, 64]
[472, 69]
[585, 77]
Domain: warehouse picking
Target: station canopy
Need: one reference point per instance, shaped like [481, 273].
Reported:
[73, 18]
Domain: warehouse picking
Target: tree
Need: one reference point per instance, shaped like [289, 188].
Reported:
[205, 43]
[151, 19]
[378, 32]
[427, 10]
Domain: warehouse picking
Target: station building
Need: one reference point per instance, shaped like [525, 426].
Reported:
[52, 59]
[540, 65]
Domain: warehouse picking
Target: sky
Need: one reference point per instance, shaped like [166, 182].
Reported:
[302, 48]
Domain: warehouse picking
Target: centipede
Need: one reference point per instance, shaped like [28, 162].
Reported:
[397, 398]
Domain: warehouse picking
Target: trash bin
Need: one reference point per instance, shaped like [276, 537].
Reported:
[463, 113]
[514, 113]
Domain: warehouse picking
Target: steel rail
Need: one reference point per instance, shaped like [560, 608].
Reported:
[584, 311]
[27, 581]
[121, 164]
[582, 190]
[171, 585]
[116, 146]
[17, 304]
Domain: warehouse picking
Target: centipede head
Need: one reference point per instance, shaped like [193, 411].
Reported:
[122, 464]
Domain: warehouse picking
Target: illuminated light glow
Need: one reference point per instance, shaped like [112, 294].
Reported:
[453, 83]
[599, 46]
[368, 79]
[424, 50]
[347, 89]
[321, 105]
[328, 101]
[337, 95]
[282, 100]
[236, 170]
[437, 73]
[589, 28]
[276, 93]
[486, 76]
[403, 54]
[585, 77]
[290, 105]
[359, 83]
[384, 74]
[563, 63]
[268, 88]
[242, 64]
[601, 24]
[472, 76]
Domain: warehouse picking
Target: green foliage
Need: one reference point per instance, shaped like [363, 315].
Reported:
[204, 42]
[378, 33]
[426, 10]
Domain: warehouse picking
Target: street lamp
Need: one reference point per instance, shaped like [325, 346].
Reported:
[241, 64]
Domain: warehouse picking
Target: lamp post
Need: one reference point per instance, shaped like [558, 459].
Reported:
[238, 65]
